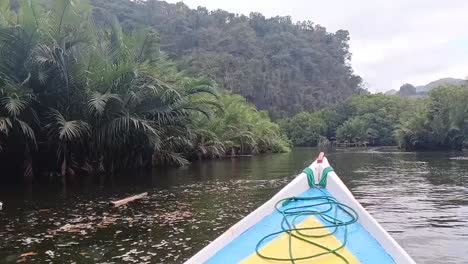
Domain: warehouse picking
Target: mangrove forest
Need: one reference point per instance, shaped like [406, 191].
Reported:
[94, 87]
[438, 121]
[80, 95]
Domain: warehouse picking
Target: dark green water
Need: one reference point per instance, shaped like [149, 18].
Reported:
[420, 198]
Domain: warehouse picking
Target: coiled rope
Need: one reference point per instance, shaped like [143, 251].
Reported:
[314, 207]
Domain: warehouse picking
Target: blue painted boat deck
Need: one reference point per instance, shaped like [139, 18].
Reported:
[359, 242]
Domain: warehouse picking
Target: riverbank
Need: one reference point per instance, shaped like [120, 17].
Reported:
[435, 122]
[111, 101]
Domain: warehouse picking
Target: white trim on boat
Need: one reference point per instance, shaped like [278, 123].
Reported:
[297, 186]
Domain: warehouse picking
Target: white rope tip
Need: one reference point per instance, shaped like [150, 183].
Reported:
[1, 206]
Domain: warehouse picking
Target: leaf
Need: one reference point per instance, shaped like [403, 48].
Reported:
[97, 102]
[5, 125]
[28, 132]
[67, 130]
[13, 105]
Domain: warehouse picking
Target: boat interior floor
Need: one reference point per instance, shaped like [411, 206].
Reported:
[316, 236]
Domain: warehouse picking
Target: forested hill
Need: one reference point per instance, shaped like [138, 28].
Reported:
[422, 90]
[279, 65]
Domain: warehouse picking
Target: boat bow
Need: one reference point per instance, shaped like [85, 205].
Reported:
[236, 245]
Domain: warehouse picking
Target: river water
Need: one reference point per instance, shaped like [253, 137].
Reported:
[420, 198]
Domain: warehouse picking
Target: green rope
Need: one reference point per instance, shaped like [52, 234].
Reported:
[329, 214]
[323, 180]
[311, 179]
[310, 176]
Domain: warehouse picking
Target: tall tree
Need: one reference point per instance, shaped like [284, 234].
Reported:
[277, 64]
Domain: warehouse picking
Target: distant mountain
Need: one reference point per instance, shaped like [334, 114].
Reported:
[451, 81]
[407, 90]
[391, 92]
[410, 90]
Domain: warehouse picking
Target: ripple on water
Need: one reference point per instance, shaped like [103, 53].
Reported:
[459, 158]
[421, 198]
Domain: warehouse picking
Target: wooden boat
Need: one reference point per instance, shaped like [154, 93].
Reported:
[314, 219]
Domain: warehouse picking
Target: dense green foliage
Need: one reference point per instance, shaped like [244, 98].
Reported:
[439, 121]
[366, 119]
[76, 97]
[304, 129]
[278, 65]
[238, 129]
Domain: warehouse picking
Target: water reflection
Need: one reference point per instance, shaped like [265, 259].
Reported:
[421, 198]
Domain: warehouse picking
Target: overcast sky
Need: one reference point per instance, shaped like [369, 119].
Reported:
[393, 41]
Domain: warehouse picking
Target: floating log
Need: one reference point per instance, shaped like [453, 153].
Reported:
[28, 254]
[129, 199]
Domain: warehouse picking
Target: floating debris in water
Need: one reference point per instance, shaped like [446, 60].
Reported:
[28, 254]
[50, 253]
[459, 158]
[168, 226]
[30, 240]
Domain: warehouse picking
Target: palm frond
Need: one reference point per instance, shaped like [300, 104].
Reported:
[120, 130]
[7, 17]
[167, 157]
[5, 125]
[13, 105]
[46, 55]
[202, 89]
[146, 46]
[28, 132]
[97, 102]
[64, 130]
[28, 16]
